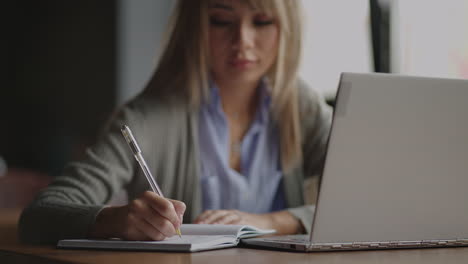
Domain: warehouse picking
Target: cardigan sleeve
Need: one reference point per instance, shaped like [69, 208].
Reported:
[315, 116]
[68, 206]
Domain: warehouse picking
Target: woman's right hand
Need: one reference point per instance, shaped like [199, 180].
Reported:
[149, 217]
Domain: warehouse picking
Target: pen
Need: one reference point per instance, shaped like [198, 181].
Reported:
[132, 143]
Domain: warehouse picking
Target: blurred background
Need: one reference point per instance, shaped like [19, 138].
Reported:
[69, 64]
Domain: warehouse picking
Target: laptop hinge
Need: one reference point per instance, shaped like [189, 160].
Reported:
[388, 244]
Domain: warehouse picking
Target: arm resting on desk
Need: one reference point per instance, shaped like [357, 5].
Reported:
[46, 223]
[67, 208]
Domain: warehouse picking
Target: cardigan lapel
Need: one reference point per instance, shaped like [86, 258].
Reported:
[192, 195]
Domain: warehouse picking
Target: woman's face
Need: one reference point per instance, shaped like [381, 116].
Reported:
[243, 41]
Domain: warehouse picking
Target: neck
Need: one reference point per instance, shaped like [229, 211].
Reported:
[239, 100]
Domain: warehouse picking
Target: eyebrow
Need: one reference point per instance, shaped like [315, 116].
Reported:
[222, 6]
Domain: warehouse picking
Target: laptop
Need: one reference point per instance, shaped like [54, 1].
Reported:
[396, 168]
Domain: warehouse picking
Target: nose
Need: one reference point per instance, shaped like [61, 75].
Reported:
[243, 37]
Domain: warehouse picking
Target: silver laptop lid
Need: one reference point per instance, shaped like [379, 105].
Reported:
[397, 161]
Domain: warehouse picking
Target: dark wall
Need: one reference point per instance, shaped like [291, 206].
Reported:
[380, 28]
[60, 83]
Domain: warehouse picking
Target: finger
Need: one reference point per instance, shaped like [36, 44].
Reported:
[163, 206]
[163, 225]
[131, 231]
[204, 215]
[180, 209]
[215, 216]
[146, 231]
[153, 218]
[231, 218]
[201, 218]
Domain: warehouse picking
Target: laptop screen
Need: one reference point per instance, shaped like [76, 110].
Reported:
[397, 161]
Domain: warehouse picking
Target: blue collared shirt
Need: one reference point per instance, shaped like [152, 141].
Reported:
[258, 187]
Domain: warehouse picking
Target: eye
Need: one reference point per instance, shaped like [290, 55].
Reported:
[219, 22]
[263, 22]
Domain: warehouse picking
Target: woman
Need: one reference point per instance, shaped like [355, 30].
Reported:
[224, 124]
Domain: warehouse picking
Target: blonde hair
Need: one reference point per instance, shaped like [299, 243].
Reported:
[183, 68]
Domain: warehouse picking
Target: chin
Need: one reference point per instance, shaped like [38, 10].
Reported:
[245, 76]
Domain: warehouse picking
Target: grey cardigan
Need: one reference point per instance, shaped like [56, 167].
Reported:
[167, 131]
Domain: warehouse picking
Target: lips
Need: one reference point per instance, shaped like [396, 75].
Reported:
[242, 63]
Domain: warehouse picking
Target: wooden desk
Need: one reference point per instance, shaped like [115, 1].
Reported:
[13, 252]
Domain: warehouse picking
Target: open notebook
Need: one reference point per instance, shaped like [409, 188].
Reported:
[194, 238]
